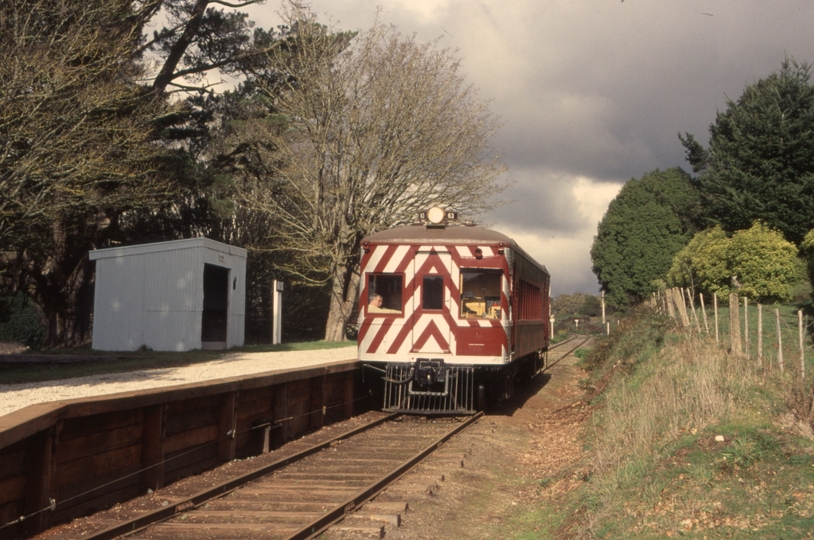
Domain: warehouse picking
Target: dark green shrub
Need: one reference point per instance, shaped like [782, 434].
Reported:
[24, 324]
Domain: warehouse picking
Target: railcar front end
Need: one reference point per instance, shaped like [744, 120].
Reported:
[450, 314]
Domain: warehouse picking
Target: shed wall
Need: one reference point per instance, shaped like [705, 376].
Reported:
[150, 299]
[155, 299]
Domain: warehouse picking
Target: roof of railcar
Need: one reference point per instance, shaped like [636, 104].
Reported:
[450, 234]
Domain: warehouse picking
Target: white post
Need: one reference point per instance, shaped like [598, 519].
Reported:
[277, 299]
[607, 325]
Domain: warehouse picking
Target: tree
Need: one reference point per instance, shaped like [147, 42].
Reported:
[807, 253]
[76, 144]
[760, 160]
[702, 264]
[647, 223]
[359, 135]
[757, 263]
[87, 148]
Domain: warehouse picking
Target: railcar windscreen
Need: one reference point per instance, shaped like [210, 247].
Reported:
[432, 296]
[388, 287]
[480, 293]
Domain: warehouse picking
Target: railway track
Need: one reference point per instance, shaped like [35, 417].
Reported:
[582, 340]
[301, 496]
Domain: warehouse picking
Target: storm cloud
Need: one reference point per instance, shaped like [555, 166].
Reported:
[590, 94]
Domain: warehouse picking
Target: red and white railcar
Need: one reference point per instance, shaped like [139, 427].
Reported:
[452, 314]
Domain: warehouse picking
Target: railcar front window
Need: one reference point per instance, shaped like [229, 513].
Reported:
[433, 292]
[480, 293]
[387, 288]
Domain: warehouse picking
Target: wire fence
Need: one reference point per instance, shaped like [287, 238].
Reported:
[775, 336]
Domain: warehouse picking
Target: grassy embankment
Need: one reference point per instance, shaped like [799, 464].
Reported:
[14, 373]
[686, 440]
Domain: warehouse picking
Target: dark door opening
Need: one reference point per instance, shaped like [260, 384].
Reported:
[215, 305]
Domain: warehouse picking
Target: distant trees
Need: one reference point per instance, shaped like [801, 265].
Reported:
[355, 134]
[647, 223]
[576, 305]
[757, 263]
[760, 161]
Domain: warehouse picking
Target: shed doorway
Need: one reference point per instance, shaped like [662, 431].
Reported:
[215, 307]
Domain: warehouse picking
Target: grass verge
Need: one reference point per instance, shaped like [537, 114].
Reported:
[688, 440]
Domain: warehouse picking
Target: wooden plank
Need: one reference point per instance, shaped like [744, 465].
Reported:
[95, 486]
[152, 447]
[253, 409]
[256, 394]
[99, 464]
[190, 439]
[227, 427]
[12, 489]
[12, 461]
[8, 513]
[81, 447]
[76, 428]
[179, 421]
[106, 500]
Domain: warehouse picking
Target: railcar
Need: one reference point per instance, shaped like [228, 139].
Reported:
[451, 314]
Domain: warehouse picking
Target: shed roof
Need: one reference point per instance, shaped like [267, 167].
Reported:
[171, 245]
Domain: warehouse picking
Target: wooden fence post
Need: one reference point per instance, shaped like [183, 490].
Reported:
[715, 300]
[678, 297]
[734, 324]
[746, 326]
[779, 340]
[802, 348]
[669, 301]
[759, 335]
[704, 312]
[694, 314]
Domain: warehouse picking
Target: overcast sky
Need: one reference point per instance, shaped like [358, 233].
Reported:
[591, 93]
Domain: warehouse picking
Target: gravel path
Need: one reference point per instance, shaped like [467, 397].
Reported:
[16, 396]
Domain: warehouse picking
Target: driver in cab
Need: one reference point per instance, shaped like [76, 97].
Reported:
[375, 305]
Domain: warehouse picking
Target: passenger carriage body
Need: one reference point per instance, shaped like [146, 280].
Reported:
[462, 309]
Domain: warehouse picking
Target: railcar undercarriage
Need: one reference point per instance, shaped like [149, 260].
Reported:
[430, 386]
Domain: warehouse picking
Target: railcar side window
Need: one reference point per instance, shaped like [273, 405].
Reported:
[530, 302]
[480, 293]
[432, 295]
[388, 287]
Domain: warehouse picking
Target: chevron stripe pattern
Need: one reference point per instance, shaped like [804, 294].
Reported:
[441, 333]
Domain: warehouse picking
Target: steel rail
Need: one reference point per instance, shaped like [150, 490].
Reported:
[566, 354]
[320, 524]
[140, 523]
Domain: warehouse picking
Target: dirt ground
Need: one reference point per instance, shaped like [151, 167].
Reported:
[515, 459]
[477, 486]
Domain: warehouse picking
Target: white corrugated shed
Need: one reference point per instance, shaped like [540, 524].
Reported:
[153, 295]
